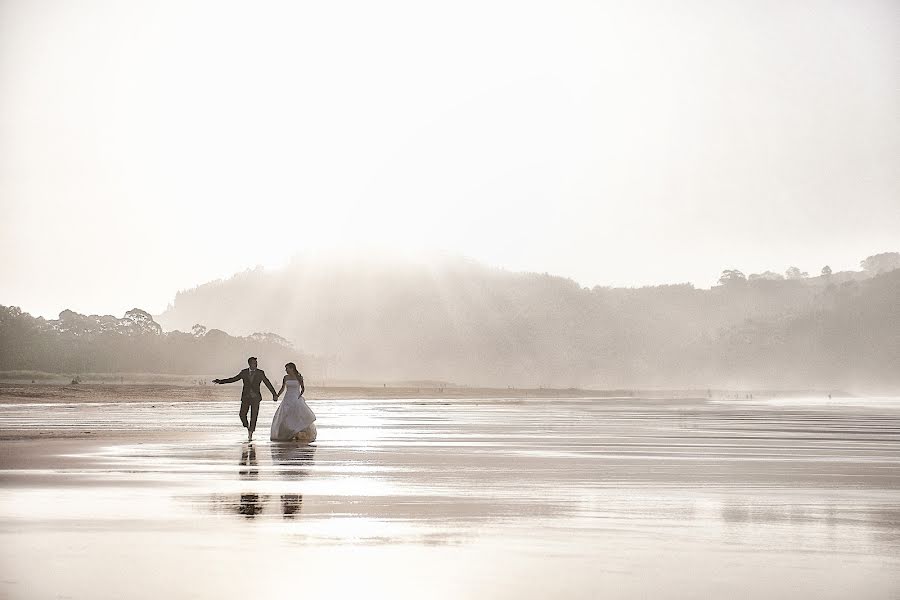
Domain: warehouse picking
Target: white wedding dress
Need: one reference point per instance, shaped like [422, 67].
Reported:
[294, 420]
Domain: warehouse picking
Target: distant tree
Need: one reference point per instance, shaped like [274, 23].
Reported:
[198, 330]
[137, 321]
[826, 271]
[766, 275]
[216, 335]
[270, 338]
[106, 322]
[75, 323]
[10, 312]
[795, 273]
[731, 277]
[881, 263]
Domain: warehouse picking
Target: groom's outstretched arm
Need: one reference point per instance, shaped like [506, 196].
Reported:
[229, 380]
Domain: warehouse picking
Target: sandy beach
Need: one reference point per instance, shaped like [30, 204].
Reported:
[467, 497]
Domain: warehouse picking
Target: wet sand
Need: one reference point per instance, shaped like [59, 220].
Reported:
[452, 498]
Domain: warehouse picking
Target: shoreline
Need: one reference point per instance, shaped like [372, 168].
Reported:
[22, 392]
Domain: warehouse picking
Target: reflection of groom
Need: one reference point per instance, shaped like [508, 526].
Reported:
[251, 504]
[250, 396]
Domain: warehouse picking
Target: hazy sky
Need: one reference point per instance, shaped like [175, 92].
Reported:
[146, 147]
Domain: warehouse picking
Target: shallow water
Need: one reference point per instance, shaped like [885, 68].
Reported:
[499, 498]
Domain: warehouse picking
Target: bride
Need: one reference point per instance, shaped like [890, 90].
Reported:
[293, 421]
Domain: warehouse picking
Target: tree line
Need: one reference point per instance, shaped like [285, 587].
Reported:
[872, 265]
[462, 322]
[134, 343]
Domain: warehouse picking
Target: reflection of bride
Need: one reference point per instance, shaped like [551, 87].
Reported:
[291, 504]
[294, 420]
[295, 457]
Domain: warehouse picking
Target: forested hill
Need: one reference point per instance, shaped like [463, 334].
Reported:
[78, 344]
[461, 321]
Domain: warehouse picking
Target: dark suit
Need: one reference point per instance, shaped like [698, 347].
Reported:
[250, 395]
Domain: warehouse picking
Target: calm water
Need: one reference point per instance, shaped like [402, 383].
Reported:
[633, 498]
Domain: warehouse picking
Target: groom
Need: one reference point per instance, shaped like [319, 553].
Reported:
[250, 396]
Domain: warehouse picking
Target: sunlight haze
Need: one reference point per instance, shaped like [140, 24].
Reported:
[148, 147]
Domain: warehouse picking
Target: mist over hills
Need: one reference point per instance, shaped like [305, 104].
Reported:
[460, 321]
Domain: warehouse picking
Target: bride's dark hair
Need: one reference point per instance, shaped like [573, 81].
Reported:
[293, 369]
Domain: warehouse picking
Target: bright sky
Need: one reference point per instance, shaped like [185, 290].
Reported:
[146, 147]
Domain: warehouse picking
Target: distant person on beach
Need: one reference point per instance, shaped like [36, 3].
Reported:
[294, 421]
[250, 395]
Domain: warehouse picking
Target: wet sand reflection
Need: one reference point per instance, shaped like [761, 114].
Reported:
[289, 463]
[592, 495]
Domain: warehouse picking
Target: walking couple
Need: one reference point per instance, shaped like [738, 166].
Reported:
[293, 421]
